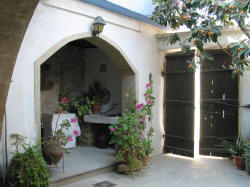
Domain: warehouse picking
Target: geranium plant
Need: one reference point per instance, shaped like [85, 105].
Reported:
[131, 135]
[54, 146]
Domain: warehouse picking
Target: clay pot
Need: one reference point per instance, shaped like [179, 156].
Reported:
[239, 162]
[145, 160]
[97, 108]
[52, 153]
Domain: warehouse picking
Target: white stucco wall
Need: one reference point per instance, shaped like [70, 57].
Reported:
[144, 7]
[110, 79]
[244, 99]
[56, 22]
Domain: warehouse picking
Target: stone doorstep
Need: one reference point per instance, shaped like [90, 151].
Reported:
[64, 178]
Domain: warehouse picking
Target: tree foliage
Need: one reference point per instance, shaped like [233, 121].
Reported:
[205, 19]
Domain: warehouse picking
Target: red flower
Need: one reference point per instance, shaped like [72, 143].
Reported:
[149, 102]
[139, 107]
[73, 120]
[76, 133]
[64, 99]
[70, 139]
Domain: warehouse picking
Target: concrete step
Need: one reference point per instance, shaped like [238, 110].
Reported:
[64, 180]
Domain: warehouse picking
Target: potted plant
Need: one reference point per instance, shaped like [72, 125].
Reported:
[99, 95]
[237, 149]
[83, 106]
[131, 135]
[247, 156]
[53, 146]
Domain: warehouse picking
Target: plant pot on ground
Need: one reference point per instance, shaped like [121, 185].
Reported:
[52, 153]
[239, 162]
[53, 146]
[247, 156]
[131, 135]
[236, 149]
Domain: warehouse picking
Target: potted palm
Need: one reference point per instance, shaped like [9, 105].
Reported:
[99, 95]
[237, 149]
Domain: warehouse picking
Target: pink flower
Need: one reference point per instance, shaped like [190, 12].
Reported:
[149, 102]
[146, 95]
[76, 132]
[141, 122]
[112, 129]
[142, 135]
[139, 107]
[64, 99]
[73, 120]
[148, 85]
[70, 139]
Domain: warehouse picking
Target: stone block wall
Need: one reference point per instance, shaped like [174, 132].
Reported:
[65, 68]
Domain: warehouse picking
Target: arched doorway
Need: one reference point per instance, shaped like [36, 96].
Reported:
[75, 64]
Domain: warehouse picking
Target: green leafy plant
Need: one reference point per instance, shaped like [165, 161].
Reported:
[58, 138]
[83, 106]
[27, 168]
[247, 149]
[236, 147]
[131, 134]
[205, 20]
[98, 93]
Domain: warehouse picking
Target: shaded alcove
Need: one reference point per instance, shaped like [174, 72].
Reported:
[74, 67]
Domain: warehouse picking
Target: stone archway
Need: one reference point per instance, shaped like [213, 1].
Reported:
[15, 18]
[109, 48]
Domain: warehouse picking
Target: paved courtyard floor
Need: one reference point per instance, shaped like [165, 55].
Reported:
[175, 171]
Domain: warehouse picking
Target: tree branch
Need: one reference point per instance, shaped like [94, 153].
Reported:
[243, 27]
[228, 53]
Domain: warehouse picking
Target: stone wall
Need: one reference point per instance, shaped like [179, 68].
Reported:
[65, 68]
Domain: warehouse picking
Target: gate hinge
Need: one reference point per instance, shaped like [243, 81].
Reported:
[163, 73]
[245, 106]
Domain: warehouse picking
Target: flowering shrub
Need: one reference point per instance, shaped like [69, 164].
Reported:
[64, 103]
[131, 134]
[59, 138]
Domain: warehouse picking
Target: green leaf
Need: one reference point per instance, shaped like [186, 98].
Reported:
[208, 56]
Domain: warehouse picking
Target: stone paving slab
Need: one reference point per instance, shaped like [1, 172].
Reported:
[168, 170]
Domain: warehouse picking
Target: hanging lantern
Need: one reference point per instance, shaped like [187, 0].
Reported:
[98, 26]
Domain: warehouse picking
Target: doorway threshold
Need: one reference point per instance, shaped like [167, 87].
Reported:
[83, 160]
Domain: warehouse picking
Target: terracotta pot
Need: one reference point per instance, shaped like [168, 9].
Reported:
[239, 162]
[97, 108]
[52, 154]
[145, 160]
[123, 168]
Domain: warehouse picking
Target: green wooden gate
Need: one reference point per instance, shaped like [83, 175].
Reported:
[179, 106]
[219, 104]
